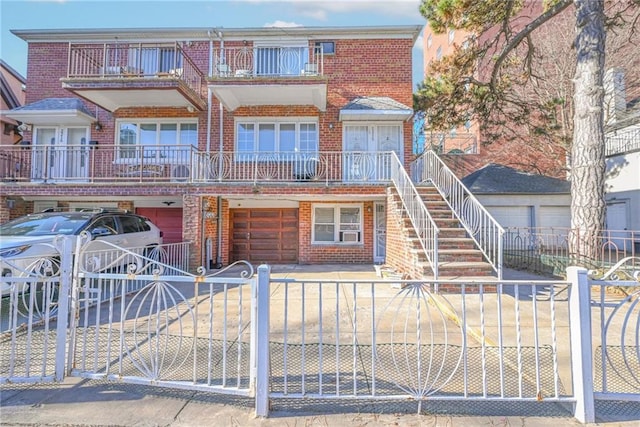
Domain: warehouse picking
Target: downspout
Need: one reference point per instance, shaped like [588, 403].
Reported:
[220, 153]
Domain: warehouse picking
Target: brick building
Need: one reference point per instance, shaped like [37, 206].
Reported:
[262, 144]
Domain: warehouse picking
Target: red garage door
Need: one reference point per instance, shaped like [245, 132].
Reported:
[169, 220]
[264, 235]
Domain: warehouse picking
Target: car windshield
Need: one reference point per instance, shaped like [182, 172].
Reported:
[44, 225]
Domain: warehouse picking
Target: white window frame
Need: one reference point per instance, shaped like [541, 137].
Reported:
[277, 122]
[179, 122]
[337, 232]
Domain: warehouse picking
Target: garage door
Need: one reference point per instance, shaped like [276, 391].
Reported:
[511, 216]
[264, 235]
[169, 220]
[555, 216]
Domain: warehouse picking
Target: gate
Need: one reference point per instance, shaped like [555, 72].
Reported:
[142, 320]
[33, 316]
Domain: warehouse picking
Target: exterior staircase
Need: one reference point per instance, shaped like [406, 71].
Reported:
[458, 254]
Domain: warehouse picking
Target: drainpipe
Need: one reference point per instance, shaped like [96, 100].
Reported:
[220, 151]
[219, 216]
[219, 219]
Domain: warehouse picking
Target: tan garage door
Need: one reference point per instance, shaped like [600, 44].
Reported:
[169, 220]
[264, 235]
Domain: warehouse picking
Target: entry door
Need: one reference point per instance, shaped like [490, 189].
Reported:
[616, 222]
[366, 148]
[60, 154]
[380, 233]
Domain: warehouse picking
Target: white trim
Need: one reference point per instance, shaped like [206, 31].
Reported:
[376, 115]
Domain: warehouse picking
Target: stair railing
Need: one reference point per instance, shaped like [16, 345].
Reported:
[424, 225]
[481, 226]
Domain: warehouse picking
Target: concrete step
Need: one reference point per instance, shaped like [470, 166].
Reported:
[446, 222]
[456, 242]
[460, 255]
[465, 269]
[452, 232]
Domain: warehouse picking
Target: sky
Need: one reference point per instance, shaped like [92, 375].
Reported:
[70, 14]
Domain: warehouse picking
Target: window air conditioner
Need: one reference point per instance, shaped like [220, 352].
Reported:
[349, 236]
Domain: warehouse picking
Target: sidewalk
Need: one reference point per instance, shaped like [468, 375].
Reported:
[78, 402]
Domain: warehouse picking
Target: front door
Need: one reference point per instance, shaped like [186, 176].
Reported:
[366, 149]
[380, 233]
[60, 154]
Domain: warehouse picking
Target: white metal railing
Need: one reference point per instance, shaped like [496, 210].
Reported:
[283, 338]
[133, 60]
[622, 141]
[546, 250]
[423, 224]
[284, 61]
[34, 308]
[161, 325]
[478, 222]
[360, 339]
[183, 163]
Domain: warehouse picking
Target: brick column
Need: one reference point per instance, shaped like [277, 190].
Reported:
[192, 228]
[4, 210]
[126, 205]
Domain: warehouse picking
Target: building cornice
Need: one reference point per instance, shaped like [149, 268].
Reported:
[194, 34]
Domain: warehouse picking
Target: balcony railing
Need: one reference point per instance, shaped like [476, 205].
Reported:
[267, 62]
[622, 141]
[133, 60]
[179, 163]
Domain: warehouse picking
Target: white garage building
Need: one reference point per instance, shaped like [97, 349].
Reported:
[520, 199]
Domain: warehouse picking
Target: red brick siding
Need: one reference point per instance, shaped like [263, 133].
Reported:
[340, 253]
[359, 68]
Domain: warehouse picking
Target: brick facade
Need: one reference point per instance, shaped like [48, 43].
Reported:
[362, 65]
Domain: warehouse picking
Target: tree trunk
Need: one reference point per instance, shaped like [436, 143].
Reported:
[587, 154]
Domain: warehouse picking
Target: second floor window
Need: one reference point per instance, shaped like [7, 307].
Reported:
[156, 141]
[274, 136]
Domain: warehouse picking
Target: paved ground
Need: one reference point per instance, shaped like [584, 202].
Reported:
[78, 402]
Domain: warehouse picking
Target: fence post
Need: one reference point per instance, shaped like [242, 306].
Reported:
[581, 345]
[66, 264]
[262, 342]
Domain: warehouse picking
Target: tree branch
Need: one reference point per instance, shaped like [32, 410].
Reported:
[556, 9]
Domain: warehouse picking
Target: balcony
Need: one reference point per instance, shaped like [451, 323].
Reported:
[249, 76]
[121, 75]
[184, 164]
[622, 141]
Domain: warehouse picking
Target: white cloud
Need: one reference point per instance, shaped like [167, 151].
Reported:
[282, 24]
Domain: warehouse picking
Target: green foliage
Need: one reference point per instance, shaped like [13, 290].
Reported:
[477, 81]
[470, 15]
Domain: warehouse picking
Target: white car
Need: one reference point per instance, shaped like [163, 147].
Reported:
[27, 242]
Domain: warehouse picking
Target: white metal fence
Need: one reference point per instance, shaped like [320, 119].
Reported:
[256, 335]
